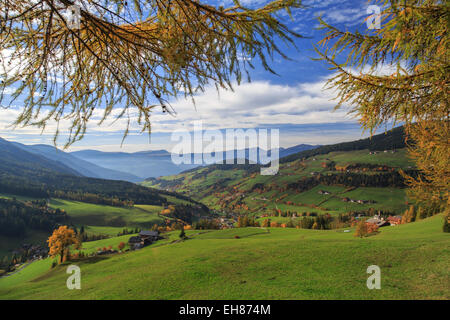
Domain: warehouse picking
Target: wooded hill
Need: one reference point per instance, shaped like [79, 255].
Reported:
[29, 174]
[327, 179]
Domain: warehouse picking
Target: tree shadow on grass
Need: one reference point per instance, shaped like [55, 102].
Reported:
[63, 267]
[94, 259]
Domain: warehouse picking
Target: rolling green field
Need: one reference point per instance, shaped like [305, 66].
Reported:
[274, 263]
[82, 213]
[96, 219]
[112, 219]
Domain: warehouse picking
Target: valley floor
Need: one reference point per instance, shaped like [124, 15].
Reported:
[274, 263]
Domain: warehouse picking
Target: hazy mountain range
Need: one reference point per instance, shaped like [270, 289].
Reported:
[157, 163]
[133, 167]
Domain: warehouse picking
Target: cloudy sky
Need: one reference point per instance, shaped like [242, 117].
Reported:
[293, 102]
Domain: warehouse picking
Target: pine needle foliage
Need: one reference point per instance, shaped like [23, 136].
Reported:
[128, 57]
[413, 41]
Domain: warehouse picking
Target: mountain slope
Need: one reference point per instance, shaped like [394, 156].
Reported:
[390, 140]
[13, 158]
[331, 179]
[158, 163]
[284, 152]
[87, 168]
[30, 174]
[141, 164]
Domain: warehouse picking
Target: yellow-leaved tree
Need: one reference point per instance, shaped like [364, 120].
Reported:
[125, 58]
[60, 242]
[413, 43]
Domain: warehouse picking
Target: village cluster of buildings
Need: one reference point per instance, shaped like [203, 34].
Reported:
[223, 222]
[346, 199]
[34, 252]
[381, 222]
[385, 151]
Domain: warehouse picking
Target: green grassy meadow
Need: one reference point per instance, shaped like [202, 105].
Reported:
[82, 213]
[96, 219]
[273, 263]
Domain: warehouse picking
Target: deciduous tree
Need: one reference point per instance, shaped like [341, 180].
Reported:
[60, 242]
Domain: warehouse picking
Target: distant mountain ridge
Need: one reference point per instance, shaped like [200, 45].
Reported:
[140, 164]
[85, 168]
[13, 157]
[155, 163]
[31, 174]
[389, 140]
[132, 167]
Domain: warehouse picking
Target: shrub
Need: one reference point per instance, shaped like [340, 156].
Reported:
[266, 223]
[274, 224]
[409, 215]
[371, 228]
[364, 229]
[361, 229]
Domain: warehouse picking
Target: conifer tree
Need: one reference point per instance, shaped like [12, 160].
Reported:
[127, 57]
[413, 41]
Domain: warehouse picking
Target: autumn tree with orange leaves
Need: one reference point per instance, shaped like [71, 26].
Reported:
[60, 242]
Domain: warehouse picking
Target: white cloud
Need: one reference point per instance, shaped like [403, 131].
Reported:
[258, 103]
[250, 105]
[348, 16]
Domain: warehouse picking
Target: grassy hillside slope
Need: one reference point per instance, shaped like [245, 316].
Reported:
[275, 263]
[96, 219]
[88, 214]
[235, 188]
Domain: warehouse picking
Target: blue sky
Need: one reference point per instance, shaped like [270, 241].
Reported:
[293, 102]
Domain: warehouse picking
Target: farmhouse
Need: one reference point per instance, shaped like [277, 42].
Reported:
[378, 222]
[149, 235]
[144, 238]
